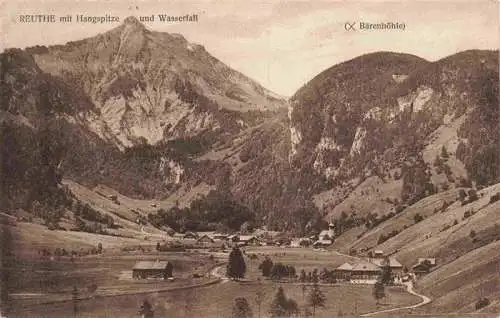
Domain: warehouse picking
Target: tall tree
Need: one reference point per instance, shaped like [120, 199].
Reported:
[303, 276]
[266, 266]
[146, 310]
[316, 298]
[281, 306]
[386, 276]
[241, 308]
[236, 267]
[378, 291]
[75, 300]
[259, 297]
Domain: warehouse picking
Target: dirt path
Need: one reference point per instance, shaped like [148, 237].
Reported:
[409, 289]
[218, 273]
[216, 278]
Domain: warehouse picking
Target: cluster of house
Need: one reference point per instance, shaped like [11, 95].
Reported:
[324, 239]
[214, 238]
[368, 270]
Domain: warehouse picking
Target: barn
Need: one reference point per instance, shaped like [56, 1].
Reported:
[152, 269]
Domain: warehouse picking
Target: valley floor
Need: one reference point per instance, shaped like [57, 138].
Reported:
[43, 288]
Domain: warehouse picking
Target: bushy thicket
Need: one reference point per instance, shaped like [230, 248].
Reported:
[481, 153]
[216, 211]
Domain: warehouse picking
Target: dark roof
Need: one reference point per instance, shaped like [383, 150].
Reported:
[206, 237]
[431, 260]
[151, 265]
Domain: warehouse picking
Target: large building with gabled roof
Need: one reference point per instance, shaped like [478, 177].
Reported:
[152, 269]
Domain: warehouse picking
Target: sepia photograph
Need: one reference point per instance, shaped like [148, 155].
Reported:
[249, 159]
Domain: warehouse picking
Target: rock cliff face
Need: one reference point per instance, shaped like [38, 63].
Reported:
[151, 86]
[149, 113]
[382, 112]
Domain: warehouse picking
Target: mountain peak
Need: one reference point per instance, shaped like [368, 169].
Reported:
[132, 21]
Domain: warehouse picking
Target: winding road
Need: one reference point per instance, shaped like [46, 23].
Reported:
[409, 289]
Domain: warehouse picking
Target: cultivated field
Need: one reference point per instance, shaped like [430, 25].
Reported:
[217, 300]
[44, 287]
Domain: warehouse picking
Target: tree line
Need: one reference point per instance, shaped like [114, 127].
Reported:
[216, 211]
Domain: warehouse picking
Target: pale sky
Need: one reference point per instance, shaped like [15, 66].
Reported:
[280, 44]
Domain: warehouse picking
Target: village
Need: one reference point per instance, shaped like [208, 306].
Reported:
[361, 269]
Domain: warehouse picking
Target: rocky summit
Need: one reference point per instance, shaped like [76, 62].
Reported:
[155, 86]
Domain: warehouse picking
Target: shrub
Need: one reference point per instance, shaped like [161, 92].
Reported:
[467, 214]
[472, 234]
[381, 239]
[266, 267]
[444, 152]
[465, 183]
[279, 271]
[417, 218]
[462, 195]
[241, 308]
[445, 186]
[472, 195]
[481, 303]
[494, 198]
[400, 208]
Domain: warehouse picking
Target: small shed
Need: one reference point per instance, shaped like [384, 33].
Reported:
[191, 235]
[152, 269]
[219, 236]
[233, 238]
[206, 239]
[248, 240]
[322, 243]
[378, 253]
[424, 266]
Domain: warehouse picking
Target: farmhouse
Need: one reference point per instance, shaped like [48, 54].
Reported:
[378, 253]
[396, 267]
[205, 239]
[190, 235]
[152, 269]
[178, 236]
[233, 238]
[365, 272]
[343, 271]
[218, 236]
[186, 236]
[322, 243]
[423, 266]
[248, 240]
[298, 242]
